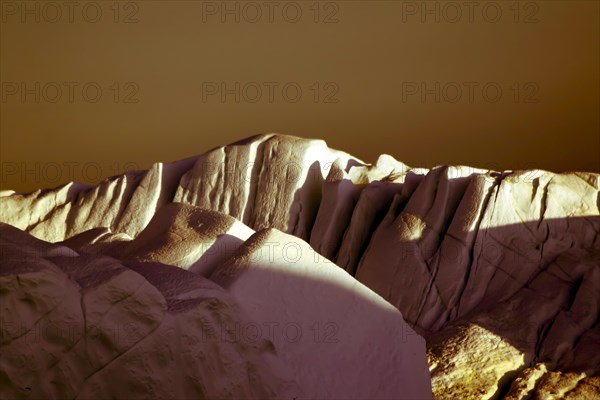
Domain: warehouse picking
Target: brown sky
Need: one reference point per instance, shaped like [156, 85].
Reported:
[502, 85]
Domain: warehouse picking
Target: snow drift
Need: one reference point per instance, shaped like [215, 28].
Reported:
[498, 271]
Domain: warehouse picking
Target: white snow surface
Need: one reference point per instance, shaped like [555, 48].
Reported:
[497, 270]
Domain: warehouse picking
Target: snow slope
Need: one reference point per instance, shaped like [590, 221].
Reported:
[497, 270]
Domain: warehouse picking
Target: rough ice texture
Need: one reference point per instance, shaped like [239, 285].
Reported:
[499, 271]
[89, 326]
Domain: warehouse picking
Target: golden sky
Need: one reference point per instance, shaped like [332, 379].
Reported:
[94, 88]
